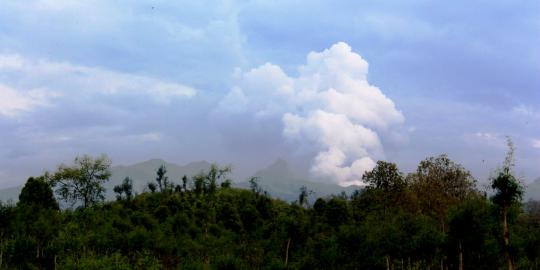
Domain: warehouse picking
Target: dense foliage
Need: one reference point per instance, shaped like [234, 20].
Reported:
[434, 218]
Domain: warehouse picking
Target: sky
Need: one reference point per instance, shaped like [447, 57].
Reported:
[330, 86]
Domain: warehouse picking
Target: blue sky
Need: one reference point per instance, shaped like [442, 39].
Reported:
[224, 81]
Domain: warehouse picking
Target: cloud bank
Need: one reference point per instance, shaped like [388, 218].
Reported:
[329, 105]
[48, 79]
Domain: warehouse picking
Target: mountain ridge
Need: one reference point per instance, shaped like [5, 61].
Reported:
[278, 179]
[281, 182]
[141, 173]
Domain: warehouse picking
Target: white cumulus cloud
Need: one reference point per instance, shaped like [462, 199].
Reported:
[329, 105]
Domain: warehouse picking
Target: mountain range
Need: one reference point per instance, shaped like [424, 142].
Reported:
[277, 179]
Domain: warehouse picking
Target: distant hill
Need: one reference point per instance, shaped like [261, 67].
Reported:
[145, 172]
[277, 179]
[140, 173]
[533, 191]
[281, 182]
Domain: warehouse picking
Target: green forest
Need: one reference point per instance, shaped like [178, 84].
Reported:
[435, 218]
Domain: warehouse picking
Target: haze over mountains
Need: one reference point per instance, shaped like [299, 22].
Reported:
[277, 179]
[145, 172]
[532, 190]
[281, 182]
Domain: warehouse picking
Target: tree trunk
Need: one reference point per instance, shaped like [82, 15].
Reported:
[387, 262]
[1, 251]
[460, 256]
[443, 227]
[506, 237]
[287, 252]
[206, 255]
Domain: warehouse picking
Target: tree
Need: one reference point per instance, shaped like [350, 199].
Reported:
[470, 227]
[385, 176]
[37, 215]
[303, 196]
[385, 187]
[125, 188]
[6, 218]
[82, 182]
[439, 184]
[38, 193]
[184, 183]
[226, 184]
[214, 175]
[385, 184]
[161, 179]
[254, 185]
[152, 187]
[508, 191]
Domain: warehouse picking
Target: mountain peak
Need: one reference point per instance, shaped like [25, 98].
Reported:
[152, 162]
[278, 169]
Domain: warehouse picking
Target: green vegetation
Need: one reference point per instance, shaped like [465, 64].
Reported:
[435, 218]
[83, 182]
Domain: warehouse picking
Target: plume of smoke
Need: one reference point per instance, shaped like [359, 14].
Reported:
[330, 105]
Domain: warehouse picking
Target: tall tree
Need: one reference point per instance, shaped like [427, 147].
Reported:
[125, 188]
[162, 179]
[508, 191]
[439, 184]
[385, 176]
[303, 196]
[385, 187]
[254, 185]
[82, 182]
[385, 184]
[470, 226]
[184, 183]
[37, 217]
[6, 218]
[37, 193]
[214, 175]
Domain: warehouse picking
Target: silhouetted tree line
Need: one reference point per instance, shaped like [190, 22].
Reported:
[434, 218]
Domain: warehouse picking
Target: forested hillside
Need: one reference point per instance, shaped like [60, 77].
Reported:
[431, 219]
